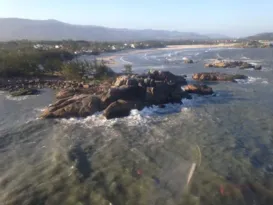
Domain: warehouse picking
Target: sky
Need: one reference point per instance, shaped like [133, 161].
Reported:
[230, 17]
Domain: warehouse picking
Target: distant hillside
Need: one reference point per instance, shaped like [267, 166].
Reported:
[217, 36]
[262, 36]
[16, 29]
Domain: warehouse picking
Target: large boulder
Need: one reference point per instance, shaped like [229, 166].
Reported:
[258, 67]
[76, 106]
[121, 108]
[24, 91]
[198, 89]
[167, 77]
[215, 76]
[124, 92]
[125, 80]
[121, 80]
[164, 93]
[245, 65]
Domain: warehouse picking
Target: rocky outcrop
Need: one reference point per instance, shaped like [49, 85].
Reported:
[76, 106]
[69, 88]
[198, 89]
[126, 93]
[232, 64]
[215, 76]
[24, 91]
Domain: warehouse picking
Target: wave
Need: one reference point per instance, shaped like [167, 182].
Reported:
[124, 61]
[136, 117]
[20, 98]
[219, 56]
[251, 80]
[245, 58]
[266, 69]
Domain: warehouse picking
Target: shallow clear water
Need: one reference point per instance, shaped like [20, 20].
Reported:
[146, 158]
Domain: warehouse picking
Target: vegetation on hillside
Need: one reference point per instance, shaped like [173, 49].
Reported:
[84, 70]
[31, 62]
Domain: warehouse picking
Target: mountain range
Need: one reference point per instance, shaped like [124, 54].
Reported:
[262, 36]
[17, 29]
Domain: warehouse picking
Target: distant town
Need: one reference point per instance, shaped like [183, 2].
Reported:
[96, 48]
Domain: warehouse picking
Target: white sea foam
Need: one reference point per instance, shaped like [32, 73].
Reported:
[219, 56]
[124, 61]
[266, 69]
[244, 58]
[136, 117]
[39, 109]
[251, 80]
[20, 98]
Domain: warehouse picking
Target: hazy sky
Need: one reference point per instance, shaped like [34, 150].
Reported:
[231, 17]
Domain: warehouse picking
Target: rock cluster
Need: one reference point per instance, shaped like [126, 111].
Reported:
[29, 87]
[233, 64]
[126, 93]
[24, 91]
[216, 76]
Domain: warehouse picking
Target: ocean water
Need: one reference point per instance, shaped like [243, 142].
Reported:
[147, 157]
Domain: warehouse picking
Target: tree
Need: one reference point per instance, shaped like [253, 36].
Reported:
[128, 68]
[72, 71]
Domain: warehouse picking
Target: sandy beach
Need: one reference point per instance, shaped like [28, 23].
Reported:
[221, 45]
[110, 60]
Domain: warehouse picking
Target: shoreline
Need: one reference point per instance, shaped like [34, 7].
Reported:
[221, 45]
[111, 59]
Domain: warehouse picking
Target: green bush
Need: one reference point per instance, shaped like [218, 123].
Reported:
[14, 63]
[128, 68]
[76, 70]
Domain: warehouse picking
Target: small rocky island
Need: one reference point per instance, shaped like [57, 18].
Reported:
[217, 76]
[117, 98]
[127, 92]
[232, 64]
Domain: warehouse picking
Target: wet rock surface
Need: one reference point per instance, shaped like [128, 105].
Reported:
[198, 89]
[76, 106]
[216, 76]
[232, 64]
[24, 91]
[127, 92]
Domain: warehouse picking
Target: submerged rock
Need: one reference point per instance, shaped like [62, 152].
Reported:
[24, 91]
[188, 61]
[198, 89]
[258, 67]
[215, 76]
